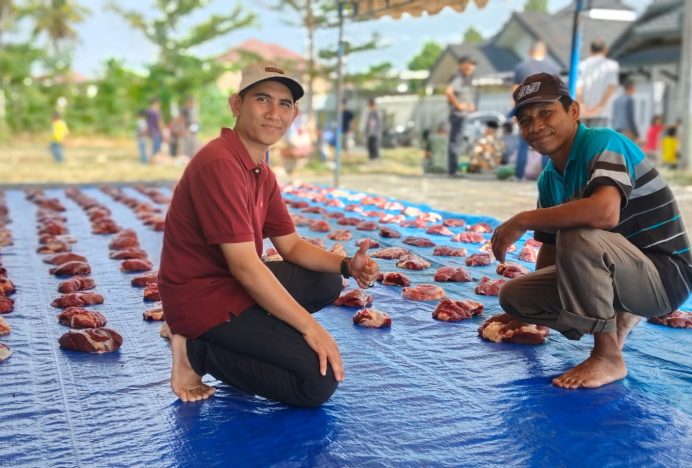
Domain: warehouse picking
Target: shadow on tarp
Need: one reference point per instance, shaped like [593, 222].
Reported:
[423, 393]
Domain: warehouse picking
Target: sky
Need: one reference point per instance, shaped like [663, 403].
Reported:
[105, 35]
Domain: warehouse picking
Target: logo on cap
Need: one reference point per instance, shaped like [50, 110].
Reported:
[273, 70]
[528, 89]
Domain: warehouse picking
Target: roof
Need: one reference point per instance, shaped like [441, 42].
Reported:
[491, 59]
[263, 50]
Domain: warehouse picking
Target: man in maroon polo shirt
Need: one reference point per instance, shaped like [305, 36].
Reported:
[243, 321]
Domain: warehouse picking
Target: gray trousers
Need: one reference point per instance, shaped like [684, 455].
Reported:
[596, 274]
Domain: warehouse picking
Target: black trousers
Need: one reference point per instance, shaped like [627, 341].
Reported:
[262, 355]
[373, 147]
[456, 139]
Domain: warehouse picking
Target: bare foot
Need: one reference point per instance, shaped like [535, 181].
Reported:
[185, 382]
[605, 365]
[625, 323]
[165, 331]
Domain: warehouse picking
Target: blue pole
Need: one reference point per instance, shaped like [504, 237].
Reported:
[576, 48]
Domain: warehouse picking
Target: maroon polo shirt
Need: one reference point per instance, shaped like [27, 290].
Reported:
[222, 197]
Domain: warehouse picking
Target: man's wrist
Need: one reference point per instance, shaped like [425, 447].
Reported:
[345, 267]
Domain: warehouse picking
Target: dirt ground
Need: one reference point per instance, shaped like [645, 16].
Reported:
[471, 195]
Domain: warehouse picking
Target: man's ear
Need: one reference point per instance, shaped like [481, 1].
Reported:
[296, 112]
[574, 110]
[235, 102]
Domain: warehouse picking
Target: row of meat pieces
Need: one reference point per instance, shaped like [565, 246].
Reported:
[149, 214]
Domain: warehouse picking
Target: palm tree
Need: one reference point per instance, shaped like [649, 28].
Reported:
[56, 20]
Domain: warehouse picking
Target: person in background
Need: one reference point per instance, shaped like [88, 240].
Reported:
[670, 148]
[597, 83]
[373, 130]
[59, 132]
[141, 136]
[462, 99]
[624, 117]
[189, 115]
[177, 131]
[537, 62]
[614, 247]
[511, 141]
[154, 127]
[653, 138]
[346, 127]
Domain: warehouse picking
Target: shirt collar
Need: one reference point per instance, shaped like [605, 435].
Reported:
[248, 163]
[573, 152]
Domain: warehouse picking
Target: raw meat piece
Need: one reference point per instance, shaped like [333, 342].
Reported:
[125, 239]
[77, 317]
[393, 219]
[528, 254]
[334, 215]
[146, 278]
[489, 287]
[373, 243]
[72, 268]
[479, 259]
[488, 247]
[127, 254]
[393, 206]
[334, 202]
[454, 222]
[314, 241]
[77, 299]
[677, 319]
[394, 278]
[53, 228]
[371, 318]
[430, 217]
[511, 270]
[424, 292]
[6, 305]
[319, 226]
[91, 340]
[47, 238]
[446, 251]
[54, 246]
[104, 226]
[313, 209]
[366, 226]
[136, 264]
[449, 310]
[338, 249]
[346, 221]
[76, 283]
[340, 235]
[416, 223]
[389, 232]
[480, 227]
[60, 258]
[503, 328]
[533, 243]
[418, 241]
[6, 287]
[155, 314]
[374, 201]
[298, 204]
[448, 273]
[151, 292]
[5, 328]
[439, 230]
[412, 262]
[390, 253]
[354, 298]
[469, 237]
[411, 211]
[300, 220]
[374, 214]
[353, 207]
[5, 352]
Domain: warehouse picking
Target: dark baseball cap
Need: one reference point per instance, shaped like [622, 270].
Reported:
[541, 87]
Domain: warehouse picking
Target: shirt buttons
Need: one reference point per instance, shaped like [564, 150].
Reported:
[257, 170]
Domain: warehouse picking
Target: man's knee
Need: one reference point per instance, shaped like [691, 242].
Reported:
[577, 240]
[318, 390]
[508, 296]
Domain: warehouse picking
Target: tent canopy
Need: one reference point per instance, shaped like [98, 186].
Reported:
[396, 8]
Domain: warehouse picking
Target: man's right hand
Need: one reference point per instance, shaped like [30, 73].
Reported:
[327, 350]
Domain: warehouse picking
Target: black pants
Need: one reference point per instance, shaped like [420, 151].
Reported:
[456, 139]
[262, 355]
[373, 147]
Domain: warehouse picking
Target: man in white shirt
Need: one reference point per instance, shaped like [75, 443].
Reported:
[596, 85]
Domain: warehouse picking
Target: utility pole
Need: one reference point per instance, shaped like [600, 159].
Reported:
[339, 96]
[686, 85]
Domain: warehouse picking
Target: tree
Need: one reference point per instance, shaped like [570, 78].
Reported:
[472, 36]
[177, 72]
[56, 20]
[536, 5]
[426, 58]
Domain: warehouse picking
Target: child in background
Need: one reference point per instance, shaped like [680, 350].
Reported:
[653, 137]
[141, 135]
[670, 148]
[59, 132]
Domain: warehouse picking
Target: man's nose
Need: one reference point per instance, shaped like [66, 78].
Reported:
[272, 110]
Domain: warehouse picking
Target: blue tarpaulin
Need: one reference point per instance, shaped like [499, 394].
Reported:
[422, 393]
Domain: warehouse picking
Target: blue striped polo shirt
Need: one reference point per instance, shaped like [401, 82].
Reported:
[649, 214]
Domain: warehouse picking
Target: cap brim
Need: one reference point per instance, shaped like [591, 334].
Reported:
[534, 100]
[293, 85]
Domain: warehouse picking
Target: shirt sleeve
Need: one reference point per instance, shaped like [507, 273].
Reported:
[610, 166]
[220, 199]
[278, 222]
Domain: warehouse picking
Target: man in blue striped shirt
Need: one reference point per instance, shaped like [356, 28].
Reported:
[614, 246]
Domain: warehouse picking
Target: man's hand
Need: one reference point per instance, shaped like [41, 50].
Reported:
[327, 351]
[363, 268]
[505, 235]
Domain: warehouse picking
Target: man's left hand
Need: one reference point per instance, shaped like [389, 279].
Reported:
[363, 268]
[505, 235]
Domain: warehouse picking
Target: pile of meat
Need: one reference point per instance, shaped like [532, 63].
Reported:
[677, 319]
[503, 328]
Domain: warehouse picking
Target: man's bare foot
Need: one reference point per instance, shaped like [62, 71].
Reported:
[185, 382]
[625, 323]
[604, 366]
[165, 331]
